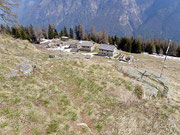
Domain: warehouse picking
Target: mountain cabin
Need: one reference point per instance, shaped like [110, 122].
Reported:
[107, 50]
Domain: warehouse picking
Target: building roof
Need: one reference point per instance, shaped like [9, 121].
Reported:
[86, 43]
[107, 47]
[64, 37]
[74, 50]
[72, 44]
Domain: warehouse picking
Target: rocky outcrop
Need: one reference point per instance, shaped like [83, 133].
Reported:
[153, 85]
[25, 67]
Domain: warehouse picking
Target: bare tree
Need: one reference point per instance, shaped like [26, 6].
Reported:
[38, 33]
[104, 37]
[92, 31]
[6, 13]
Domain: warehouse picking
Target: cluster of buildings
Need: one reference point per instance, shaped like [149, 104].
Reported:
[89, 46]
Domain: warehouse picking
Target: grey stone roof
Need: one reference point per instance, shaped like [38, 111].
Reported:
[86, 43]
[74, 50]
[73, 45]
[107, 47]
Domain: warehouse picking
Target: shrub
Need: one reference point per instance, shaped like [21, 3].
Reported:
[52, 127]
[138, 91]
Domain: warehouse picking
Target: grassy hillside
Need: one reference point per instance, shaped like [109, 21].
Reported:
[69, 95]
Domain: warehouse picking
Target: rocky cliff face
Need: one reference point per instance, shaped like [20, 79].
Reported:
[122, 17]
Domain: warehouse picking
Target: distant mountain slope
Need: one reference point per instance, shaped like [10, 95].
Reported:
[160, 18]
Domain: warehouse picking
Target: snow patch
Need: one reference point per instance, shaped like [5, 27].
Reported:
[163, 56]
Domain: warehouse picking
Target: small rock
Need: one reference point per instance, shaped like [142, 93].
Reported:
[51, 56]
[26, 69]
[88, 56]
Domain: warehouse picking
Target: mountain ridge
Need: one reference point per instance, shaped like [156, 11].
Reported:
[123, 17]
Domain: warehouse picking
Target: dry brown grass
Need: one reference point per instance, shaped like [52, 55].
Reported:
[63, 92]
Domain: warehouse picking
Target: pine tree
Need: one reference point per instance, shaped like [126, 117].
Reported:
[116, 40]
[158, 48]
[178, 52]
[76, 32]
[110, 40]
[15, 32]
[136, 46]
[128, 45]
[44, 32]
[150, 48]
[27, 33]
[122, 43]
[71, 33]
[22, 33]
[93, 38]
[32, 34]
[55, 33]
[65, 32]
[62, 33]
[50, 32]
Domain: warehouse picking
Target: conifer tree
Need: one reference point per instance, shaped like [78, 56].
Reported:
[158, 48]
[22, 33]
[178, 52]
[44, 32]
[136, 46]
[110, 40]
[71, 33]
[65, 32]
[50, 32]
[122, 43]
[62, 33]
[27, 33]
[32, 34]
[128, 45]
[76, 32]
[116, 40]
[15, 32]
[150, 48]
[55, 33]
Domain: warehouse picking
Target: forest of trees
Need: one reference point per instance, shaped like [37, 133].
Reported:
[132, 45]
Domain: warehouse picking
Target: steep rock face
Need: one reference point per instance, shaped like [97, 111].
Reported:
[150, 18]
[117, 16]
